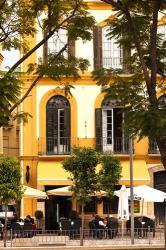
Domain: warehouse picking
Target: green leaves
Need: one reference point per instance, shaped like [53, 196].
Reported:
[10, 175]
[82, 167]
[133, 26]
[109, 174]
[18, 24]
[59, 67]
[9, 93]
[86, 179]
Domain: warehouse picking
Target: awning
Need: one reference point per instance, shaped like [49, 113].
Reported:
[140, 173]
[66, 191]
[33, 193]
[52, 173]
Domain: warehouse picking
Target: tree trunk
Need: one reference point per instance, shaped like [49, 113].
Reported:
[5, 227]
[161, 143]
[82, 225]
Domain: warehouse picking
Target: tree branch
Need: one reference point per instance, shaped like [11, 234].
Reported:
[35, 82]
[153, 44]
[2, 4]
[124, 8]
[50, 34]
[137, 42]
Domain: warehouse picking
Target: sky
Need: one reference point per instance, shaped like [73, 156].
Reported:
[10, 57]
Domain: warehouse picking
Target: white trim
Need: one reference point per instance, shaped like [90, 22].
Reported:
[45, 179]
[136, 179]
[124, 179]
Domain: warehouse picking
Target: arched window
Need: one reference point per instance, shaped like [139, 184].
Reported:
[162, 101]
[58, 125]
[109, 127]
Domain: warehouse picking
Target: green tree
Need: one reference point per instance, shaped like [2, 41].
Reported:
[109, 174]
[135, 26]
[82, 167]
[17, 21]
[10, 188]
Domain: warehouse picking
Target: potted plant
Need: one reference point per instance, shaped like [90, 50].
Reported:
[39, 219]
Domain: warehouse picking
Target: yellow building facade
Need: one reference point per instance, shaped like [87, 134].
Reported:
[86, 118]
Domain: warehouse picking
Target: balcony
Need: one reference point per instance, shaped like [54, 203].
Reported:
[63, 145]
[113, 62]
[56, 145]
[153, 148]
[117, 145]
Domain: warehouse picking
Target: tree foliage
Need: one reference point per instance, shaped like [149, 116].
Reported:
[87, 180]
[10, 175]
[17, 25]
[142, 79]
[109, 174]
[82, 167]
[10, 187]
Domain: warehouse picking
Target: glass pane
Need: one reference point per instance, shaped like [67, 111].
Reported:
[112, 53]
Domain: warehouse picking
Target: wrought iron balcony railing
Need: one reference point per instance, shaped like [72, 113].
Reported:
[117, 145]
[63, 145]
[56, 145]
[153, 148]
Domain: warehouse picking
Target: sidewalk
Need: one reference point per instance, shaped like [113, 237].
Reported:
[135, 247]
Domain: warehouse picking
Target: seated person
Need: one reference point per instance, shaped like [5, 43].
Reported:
[101, 223]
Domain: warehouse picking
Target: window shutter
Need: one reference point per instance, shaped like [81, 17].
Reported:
[98, 125]
[97, 47]
[117, 122]
[71, 47]
[67, 126]
[51, 129]
[67, 122]
[52, 123]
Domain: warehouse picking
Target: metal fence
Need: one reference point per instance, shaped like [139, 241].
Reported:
[99, 237]
[153, 148]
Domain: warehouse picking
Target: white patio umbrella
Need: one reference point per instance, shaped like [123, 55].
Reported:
[146, 193]
[65, 191]
[33, 193]
[123, 205]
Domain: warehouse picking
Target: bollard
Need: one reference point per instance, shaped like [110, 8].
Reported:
[11, 238]
[149, 235]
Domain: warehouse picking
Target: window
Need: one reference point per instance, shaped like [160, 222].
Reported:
[162, 101]
[57, 42]
[112, 54]
[160, 184]
[110, 206]
[58, 125]
[109, 128]
[107, 53]
[153, 148]
[162, 30]
[90, 207]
